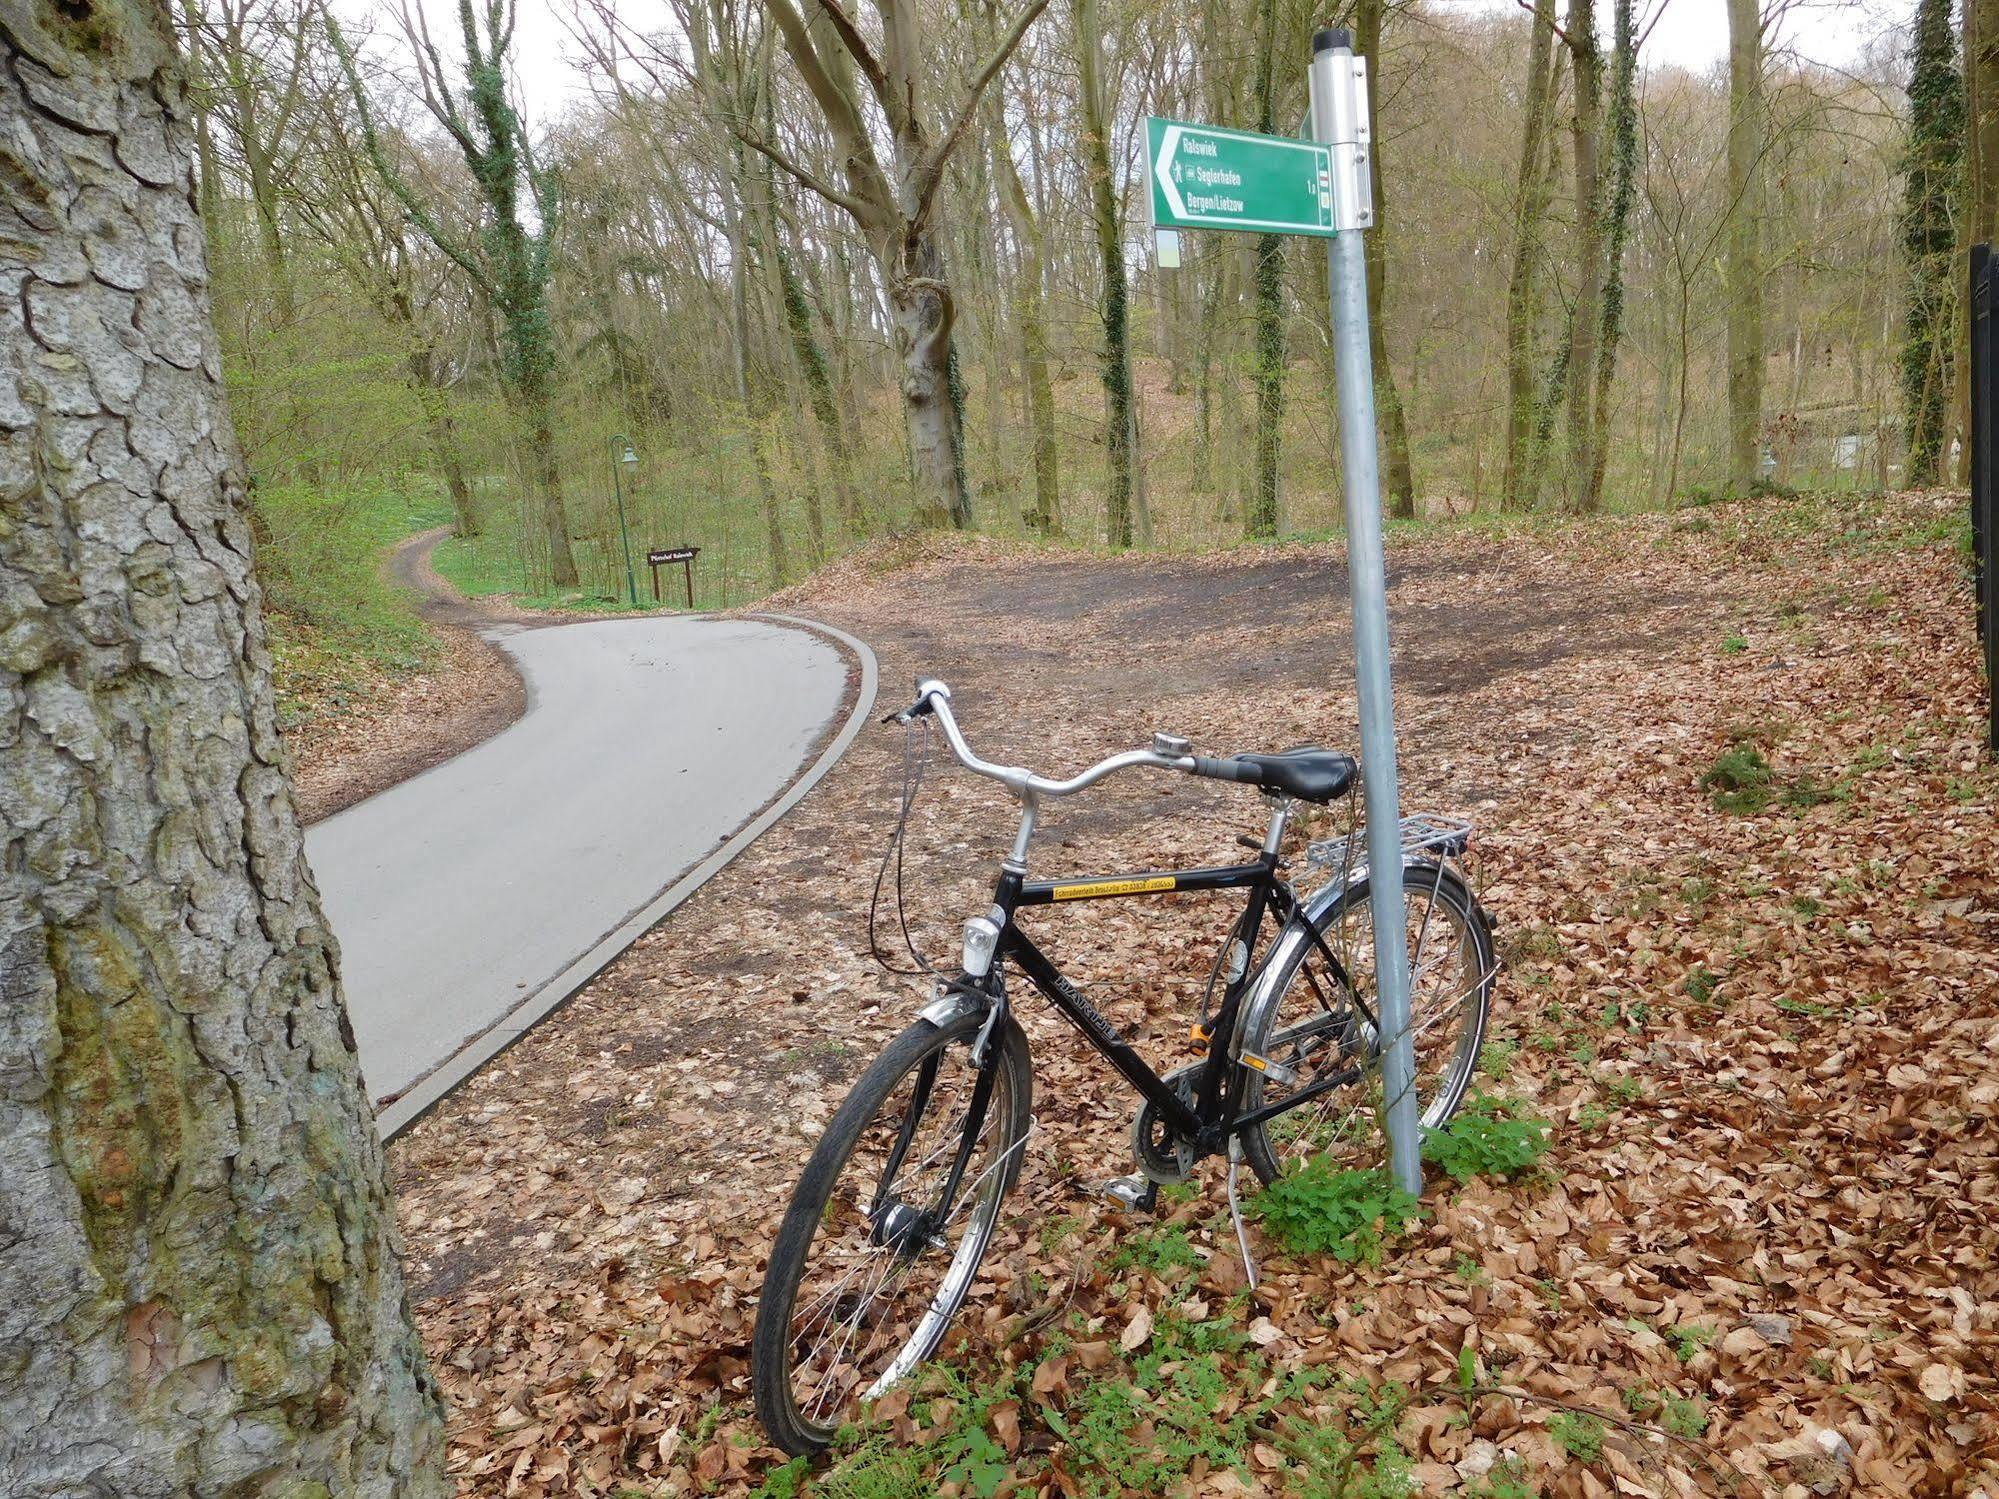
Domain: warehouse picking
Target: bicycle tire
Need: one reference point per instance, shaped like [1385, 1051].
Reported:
[789, 1426]
[1422, 879]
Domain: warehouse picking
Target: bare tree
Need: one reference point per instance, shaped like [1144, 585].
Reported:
[510, 260]
[1106, 222]
[1517, 486]
[1743, 267]
[892, 199]
[200, 1289]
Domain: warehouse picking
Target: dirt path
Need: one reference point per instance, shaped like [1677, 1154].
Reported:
[588, 1219]
[471, 694]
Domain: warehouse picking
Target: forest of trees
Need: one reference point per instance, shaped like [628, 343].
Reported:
[834, 271]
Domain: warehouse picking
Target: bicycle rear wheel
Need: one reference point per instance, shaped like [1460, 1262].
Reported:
[1316, 1018]
[872, 1263]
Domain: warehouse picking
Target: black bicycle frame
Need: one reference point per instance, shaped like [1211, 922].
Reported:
[1208, 1122]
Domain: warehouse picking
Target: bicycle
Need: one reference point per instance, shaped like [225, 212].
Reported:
[902, 1194]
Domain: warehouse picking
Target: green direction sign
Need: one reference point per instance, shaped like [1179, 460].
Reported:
[1205, 178]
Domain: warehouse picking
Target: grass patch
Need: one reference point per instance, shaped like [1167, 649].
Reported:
[336, 625]
[1739, 780]
[487, 566]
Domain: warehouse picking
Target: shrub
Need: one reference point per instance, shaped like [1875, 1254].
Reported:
[1349, 1214]
[1487, 1137]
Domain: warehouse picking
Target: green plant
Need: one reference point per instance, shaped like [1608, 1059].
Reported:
[1495, 1057]
[1326, 1464]
[1739, 780]
[1626, 1089]
[1487, 1137]
[1701, 985]
[786, 1481]
[1733, 644]
[1579, 1435]
[1199, 1393]
[1507, 1480]
[1641, 1401]
[1689, 1338]
[1685, 1417]
[1351, 1214]
[1058, 1230]
[1161, 1250]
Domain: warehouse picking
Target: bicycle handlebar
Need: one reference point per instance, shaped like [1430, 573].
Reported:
[933, 698]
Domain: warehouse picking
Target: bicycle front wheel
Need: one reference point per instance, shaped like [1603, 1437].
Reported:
[1317, 1015]
[886, 1228]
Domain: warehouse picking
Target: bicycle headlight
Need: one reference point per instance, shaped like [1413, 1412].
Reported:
[981, 942]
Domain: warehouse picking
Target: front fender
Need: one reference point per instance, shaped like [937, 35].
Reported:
[950, 1006]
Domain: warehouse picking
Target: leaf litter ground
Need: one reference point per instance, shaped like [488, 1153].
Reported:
[1759, 1258]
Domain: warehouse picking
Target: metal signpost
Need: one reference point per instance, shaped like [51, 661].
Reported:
[665, 557]
[1203, 178]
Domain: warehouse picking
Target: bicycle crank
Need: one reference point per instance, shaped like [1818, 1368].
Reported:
[1162, 1155]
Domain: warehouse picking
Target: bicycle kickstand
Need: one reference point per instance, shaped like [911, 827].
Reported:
[1235, 1212]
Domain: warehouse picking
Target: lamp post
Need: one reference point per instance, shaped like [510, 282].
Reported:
[627, 459]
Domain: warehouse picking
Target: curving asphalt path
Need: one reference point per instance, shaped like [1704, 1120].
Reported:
[472, 899]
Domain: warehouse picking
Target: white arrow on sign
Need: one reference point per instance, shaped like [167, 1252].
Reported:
[1168, 144]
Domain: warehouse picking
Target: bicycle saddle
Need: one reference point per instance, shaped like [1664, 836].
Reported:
[1311, 775]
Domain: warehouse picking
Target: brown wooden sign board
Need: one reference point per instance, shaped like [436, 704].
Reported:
[665, 557]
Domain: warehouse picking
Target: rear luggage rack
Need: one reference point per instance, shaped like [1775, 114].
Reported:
[1423, 832]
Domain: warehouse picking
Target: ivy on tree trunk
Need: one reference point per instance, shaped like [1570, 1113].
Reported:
[1932, 174]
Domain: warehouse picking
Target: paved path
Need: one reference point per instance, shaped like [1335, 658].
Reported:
[461, 898]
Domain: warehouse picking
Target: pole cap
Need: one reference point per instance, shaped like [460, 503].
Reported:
[1331, 39]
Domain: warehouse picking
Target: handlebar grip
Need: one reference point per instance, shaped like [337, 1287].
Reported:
[1227, 770]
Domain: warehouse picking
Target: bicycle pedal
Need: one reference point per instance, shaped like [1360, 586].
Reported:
[1135, 1194]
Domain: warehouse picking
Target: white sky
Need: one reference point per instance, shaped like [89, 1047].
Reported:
[1690, 33]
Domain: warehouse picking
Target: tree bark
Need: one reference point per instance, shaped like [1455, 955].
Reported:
[1623, 189]
[1743, 268]
[1585, 134]
[1261, 520]
[921, 304]
[199, 1281]
[1045, 518]
[1529, 200]
[1119, 429]
[1981, 134]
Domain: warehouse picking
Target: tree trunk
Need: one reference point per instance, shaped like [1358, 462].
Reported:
[1585, 135]
[538, 409]
[1623, 188]
[199, 1282]
[1269, 305]
[1743, 267]
[1045, 518]
[443, 431]
[1389, 412]
[1981, 139]
[1930, 208]
[1529, 199]
[1118, 426]
[921, 305]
